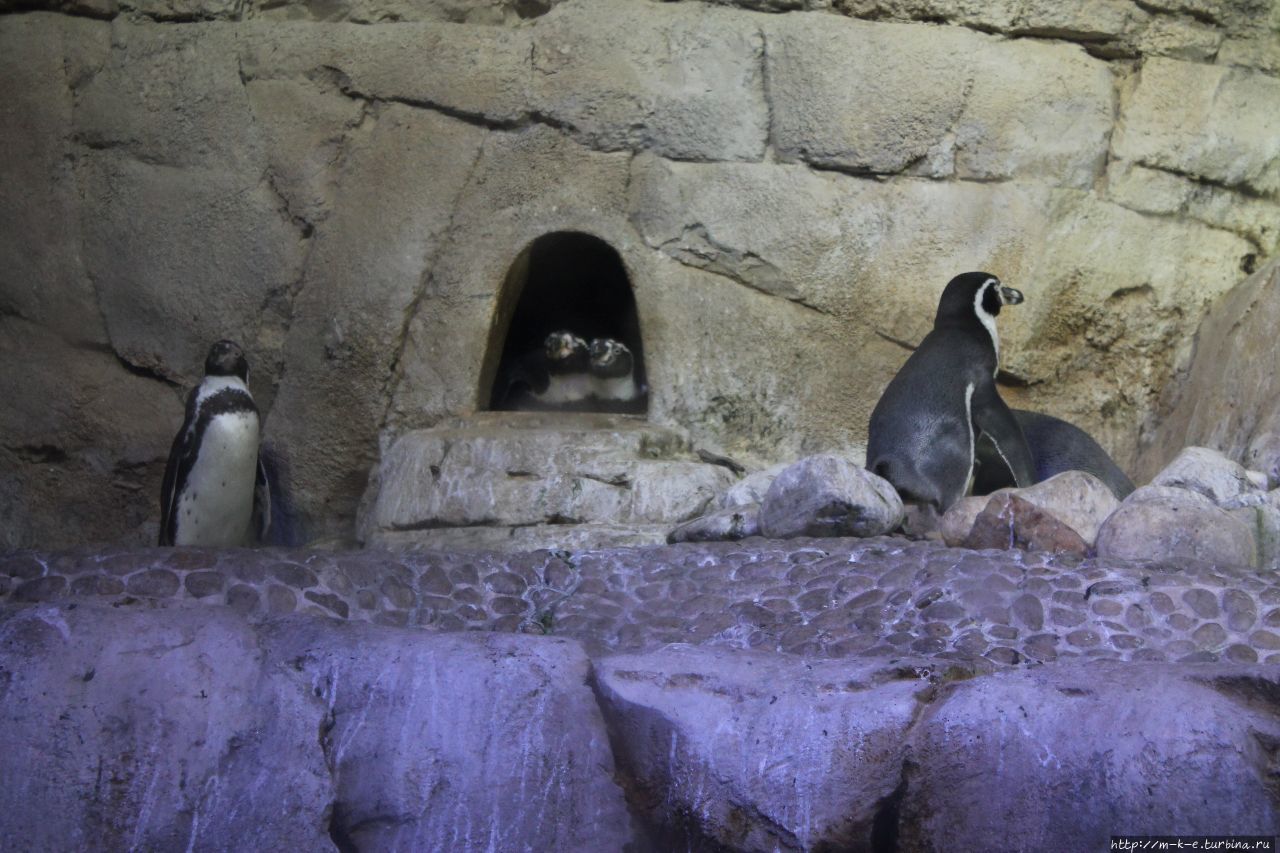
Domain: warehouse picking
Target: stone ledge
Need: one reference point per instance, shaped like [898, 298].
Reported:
[816, 598]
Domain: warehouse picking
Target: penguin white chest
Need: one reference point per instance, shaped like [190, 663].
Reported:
[215, 508]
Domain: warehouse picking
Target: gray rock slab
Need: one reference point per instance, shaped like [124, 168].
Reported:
[457, 741]
[736, 522]
[154, 729]
[1082, 753]
[829, 496]
[750, 751]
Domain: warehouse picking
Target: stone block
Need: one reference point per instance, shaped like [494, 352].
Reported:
[829, 496]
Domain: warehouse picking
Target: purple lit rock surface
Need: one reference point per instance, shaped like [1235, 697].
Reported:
[753, 695]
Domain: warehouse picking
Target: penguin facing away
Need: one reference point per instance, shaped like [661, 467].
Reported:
[1056, 446]
[923, 429]
[215, 488]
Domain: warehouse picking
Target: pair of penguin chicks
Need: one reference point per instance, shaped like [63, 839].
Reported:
[941, 426]
[568, 371]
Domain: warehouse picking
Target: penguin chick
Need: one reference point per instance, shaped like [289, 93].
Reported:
[1056, 446]
[922, 431]
[612, 371]
[215, 490]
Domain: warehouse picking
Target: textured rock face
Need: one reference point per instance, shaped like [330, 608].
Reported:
[344, 191]
[1162, 522]
[190, 727]
[1228, 401]
[186, 728]
[829, 496]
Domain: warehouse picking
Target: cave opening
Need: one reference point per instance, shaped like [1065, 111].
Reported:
[567, 332]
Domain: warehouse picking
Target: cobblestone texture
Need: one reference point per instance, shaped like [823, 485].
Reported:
[821, 598]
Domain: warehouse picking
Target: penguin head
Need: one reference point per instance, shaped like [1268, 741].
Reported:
[226, 359]
[975, 294]
[610, 357]
[564, 348]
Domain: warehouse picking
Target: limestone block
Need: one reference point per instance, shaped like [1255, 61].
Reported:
[675, 491]
[1207, 472]
[829, 496]
[944, 101]
[1011, 521]
[735, 522]
[1163, 522]
[476, 71]
[156, 729]
[807, 762]
[488, 13]
[1164, 123]
[1082, 749]
[457, 741]
[682, 81]
[42, 57]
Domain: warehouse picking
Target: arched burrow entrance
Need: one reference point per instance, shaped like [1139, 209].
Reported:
[565, 281]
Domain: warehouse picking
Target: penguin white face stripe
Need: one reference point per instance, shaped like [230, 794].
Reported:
[985, 317]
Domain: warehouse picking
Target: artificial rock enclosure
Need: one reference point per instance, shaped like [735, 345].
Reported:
[763, 199]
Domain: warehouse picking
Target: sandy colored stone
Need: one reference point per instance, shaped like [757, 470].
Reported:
[1163, 522]
[1010, 521]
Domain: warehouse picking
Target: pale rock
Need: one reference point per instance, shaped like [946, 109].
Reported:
[829, 496]
[1164, 523]
[736, 522]
[752, 488]
[1206, 472]
[956, 522]
[675, 491]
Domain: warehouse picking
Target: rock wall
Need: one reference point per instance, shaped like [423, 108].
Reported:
[789, 183]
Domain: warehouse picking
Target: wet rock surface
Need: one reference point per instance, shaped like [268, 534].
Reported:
[819, 598]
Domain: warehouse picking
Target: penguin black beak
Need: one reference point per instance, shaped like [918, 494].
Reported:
[1009, 296]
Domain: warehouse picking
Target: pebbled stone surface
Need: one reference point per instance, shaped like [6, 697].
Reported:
[818, 598]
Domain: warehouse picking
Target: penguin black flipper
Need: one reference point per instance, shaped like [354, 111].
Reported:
[182, 455]
[994, 420]
[1056, 446]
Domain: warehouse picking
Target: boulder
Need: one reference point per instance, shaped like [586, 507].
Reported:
[1163, 523]
[754, 751]
[1207, 472]
[752, 488]
[1010, 521]
[736, 522]
[829, 496]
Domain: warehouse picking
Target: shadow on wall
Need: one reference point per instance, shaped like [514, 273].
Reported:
[566, 335]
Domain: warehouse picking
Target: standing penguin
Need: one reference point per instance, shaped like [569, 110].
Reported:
[922, 431]
[215, 488]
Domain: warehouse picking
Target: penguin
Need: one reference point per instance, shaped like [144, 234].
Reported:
[1056, 446]
[922, 431]
[216, 491]
[554, 376]
[613, 374]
